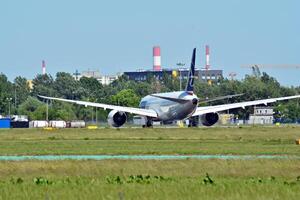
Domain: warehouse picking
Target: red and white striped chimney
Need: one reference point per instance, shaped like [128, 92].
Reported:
[156, 58]
[43, 67]
[207, 65]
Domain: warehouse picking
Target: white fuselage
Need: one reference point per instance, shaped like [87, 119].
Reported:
[168, 110]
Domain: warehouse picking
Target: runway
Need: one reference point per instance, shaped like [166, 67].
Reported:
[146, 157]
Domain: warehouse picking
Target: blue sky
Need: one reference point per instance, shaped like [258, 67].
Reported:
[115, 36]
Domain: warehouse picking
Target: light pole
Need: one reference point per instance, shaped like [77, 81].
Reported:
[180, 77]
[47, 111]
[15, 96]
[9, 100]
[96, 116]
[97, 108]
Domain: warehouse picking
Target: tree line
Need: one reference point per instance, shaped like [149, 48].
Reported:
[17, 98]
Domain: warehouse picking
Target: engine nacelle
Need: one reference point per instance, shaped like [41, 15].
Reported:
[209, 119]
[116, 118]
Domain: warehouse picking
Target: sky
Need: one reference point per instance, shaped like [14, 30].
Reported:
[116, 36]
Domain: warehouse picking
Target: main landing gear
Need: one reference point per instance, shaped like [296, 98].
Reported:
[148, 124]
[194, 121]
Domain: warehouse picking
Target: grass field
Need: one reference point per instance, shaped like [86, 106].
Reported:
[119, 179]
[245, 140]
[151, 179]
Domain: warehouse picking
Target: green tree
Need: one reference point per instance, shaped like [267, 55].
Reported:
[62, 111]
[21, 88]
[91, 88]
[33, 108]
[43, 85]
[125, 97]
[6, 94]
[142, 89]
[66, 86]
[170, 83]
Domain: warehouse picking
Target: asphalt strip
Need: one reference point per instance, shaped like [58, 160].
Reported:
[147, 157]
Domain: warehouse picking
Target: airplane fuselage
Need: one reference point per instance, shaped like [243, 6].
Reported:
[168, 110]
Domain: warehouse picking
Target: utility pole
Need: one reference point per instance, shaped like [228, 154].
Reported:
[180, 80]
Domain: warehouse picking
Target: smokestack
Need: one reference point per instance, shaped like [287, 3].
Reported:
[43, 67]
[156, 58]
[207, 65]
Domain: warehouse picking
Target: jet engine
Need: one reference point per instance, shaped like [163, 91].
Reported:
[209, 119]
[116, 118]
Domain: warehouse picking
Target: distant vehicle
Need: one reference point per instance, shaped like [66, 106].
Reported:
[76, 124]
[58, 124]
[171, 106]
[38, 124]
[19, 118]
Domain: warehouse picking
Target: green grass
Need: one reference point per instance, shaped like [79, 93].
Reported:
[245, 140]
[184, 179]
[169, 179]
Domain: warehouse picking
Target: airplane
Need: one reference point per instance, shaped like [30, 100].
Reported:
[171, 106]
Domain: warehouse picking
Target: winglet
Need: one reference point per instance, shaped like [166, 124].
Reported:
[190, 84]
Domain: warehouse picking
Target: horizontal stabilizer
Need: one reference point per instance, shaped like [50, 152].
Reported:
[177, 100]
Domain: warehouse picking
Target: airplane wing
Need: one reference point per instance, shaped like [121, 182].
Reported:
[218, 108]
[137, 111]
[219, 98]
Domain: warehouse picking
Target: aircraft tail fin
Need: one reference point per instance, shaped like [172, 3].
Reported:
[190, 84]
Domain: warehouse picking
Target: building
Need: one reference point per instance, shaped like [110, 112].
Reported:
[201, 74]
[261, 115]
[106, 80]
[103, 79]
[89, 74]
[30, 84]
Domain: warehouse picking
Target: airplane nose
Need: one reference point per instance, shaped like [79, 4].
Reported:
[195, 101]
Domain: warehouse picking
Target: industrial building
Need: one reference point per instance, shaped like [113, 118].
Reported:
[202, 75]
[205, 75]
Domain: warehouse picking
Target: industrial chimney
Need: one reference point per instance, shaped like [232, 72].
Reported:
[156, 58]
[43, 67]
[207, 57]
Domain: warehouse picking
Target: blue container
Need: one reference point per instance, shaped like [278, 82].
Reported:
[5, 123]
